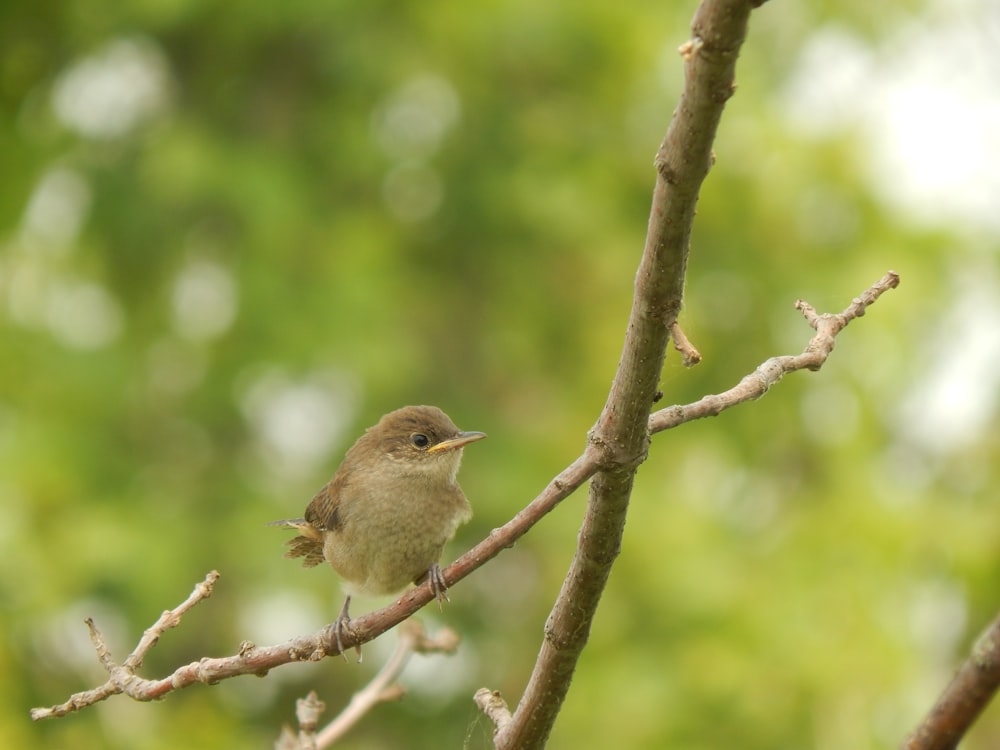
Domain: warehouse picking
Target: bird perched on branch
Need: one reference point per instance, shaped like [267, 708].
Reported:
[383, 519]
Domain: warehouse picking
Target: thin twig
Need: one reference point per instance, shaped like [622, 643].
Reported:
[383, 687]
[171, 618]
[771, 371]
[690, 356]
[122, 678]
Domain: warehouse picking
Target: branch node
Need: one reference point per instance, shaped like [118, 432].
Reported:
[663, 168]
[690, 48]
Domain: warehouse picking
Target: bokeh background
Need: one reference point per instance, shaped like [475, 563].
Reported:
[233, 235]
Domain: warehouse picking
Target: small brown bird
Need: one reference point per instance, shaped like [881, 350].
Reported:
[383, 520]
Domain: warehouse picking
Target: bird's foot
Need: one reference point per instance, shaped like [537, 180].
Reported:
[438, 586]
[341, 629]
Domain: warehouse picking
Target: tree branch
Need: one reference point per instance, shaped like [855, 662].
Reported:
[252, 659]
[255, 660]
[621, 435]
[750, 388]
[122, 678]
[964, 699]
[413, 639]
[770, 372]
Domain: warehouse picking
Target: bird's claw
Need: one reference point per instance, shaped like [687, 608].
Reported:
[341, 629]
[437, 584]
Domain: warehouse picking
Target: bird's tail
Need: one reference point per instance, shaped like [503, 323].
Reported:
[308, 544]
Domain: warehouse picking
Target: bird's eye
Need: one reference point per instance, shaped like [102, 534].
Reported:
[420, 440]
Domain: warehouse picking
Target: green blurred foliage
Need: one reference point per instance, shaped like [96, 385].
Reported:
[326, 210]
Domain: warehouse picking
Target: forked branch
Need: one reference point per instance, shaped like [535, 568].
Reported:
[383, 688]
[620, 437]
[752, 386]
[257, 660]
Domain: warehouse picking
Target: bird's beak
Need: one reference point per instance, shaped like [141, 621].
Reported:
[459, 441]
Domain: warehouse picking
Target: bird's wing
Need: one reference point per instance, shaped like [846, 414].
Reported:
[321, 515]
[323, 510]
